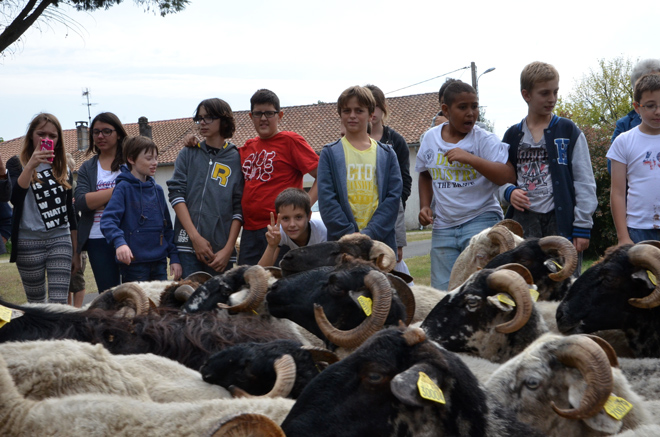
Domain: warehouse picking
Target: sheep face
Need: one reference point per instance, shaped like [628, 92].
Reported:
[535, 380]
[373, 392]
[542, 264]
[466, 320]
[599, 299]
[216, 290]
[335, 289]
[250, 366]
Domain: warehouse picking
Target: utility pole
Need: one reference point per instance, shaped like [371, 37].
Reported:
[473, 68]
[85, 93]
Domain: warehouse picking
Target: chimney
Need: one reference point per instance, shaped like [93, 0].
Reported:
[145, 129]
[82, 133]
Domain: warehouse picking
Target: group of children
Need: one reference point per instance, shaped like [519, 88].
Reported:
[542, 168]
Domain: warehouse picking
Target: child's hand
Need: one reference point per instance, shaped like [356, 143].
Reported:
[190, 141]
[124, 254]
[221, 259]
[425, 216]
[39, 157]
[203, 249]
[273, 235]
[458, 155]
[519, 199]
[581, 244]
[625, 240]
[176, 271]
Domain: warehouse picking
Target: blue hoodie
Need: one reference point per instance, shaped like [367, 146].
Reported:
[137, 215]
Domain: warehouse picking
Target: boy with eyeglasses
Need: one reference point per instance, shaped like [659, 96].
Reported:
[205, 192]
[272, 161]
[635, 157]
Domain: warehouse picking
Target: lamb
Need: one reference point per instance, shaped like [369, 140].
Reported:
[91, 415]
[574, 376]
[56, 368]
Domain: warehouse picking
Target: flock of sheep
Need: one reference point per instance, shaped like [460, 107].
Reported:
[336, 344]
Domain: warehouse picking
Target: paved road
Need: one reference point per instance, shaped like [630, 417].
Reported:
[417, 248]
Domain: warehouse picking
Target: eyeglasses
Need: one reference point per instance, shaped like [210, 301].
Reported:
[103, 132]
[650, 108]
[268, 114]
[207, 120]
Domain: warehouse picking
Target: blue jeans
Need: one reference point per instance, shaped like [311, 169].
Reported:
[104, 264]
[190, 264]
[637, 235]
[153, 271]
[448, 243]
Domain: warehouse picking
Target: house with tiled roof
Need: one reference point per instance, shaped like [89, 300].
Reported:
[317, 123]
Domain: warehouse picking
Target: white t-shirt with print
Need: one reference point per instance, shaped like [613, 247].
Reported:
[640, 153]
[104, 180]
[460, 192]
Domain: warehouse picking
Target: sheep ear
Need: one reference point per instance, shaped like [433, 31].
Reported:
[601, 422]
[404, 385]
[360, 303]
[642, 275]
[497, 303]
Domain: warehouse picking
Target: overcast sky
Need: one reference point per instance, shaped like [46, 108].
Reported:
[139, 64]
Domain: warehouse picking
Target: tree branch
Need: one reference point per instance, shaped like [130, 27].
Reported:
[23, 22]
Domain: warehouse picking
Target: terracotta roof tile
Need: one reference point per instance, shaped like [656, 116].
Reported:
[317, 123]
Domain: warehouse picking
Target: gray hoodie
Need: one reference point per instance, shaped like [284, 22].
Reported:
[211, 186]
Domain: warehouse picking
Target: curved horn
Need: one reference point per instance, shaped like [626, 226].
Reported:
[285, 369]
[129, 294]
[592, 362]
[248, 425]
[513, 226]
[381, 293]
[520, 269]
[511, 282]
[502, 237]
[647, 256]
[183, 292]
[199, 277]
[607, 348]
[257, 278]
[320, 354]
[383, 256]
[566, 250]
[405, 294]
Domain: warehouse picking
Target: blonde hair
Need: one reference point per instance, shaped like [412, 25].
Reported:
[537, 72]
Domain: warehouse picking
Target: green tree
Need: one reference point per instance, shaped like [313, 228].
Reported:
[20, 15]
[602, 96]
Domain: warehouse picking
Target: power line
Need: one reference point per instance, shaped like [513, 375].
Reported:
[409, 86]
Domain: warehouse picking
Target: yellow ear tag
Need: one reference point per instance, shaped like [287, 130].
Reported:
[255, 313]
[557, 264]
[505, 298]
[428, 390]
[652, 278]
[617, 407]
[5, 315]
[534, 294]
[366, 304]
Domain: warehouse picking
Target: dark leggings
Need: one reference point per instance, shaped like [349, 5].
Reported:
[104, 265]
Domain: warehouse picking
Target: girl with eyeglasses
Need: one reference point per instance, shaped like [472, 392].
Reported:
[44, 223]
[206, 191]
[96, 182]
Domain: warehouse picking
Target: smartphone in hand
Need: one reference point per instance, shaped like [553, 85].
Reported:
[47, 144]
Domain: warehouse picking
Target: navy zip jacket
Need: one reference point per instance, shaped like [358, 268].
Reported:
[573, 183]
[137, 215]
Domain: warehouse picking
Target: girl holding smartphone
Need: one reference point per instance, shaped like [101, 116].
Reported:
[44, 225]
[95, 185]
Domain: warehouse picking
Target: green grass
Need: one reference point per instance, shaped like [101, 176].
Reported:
[420, 269]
